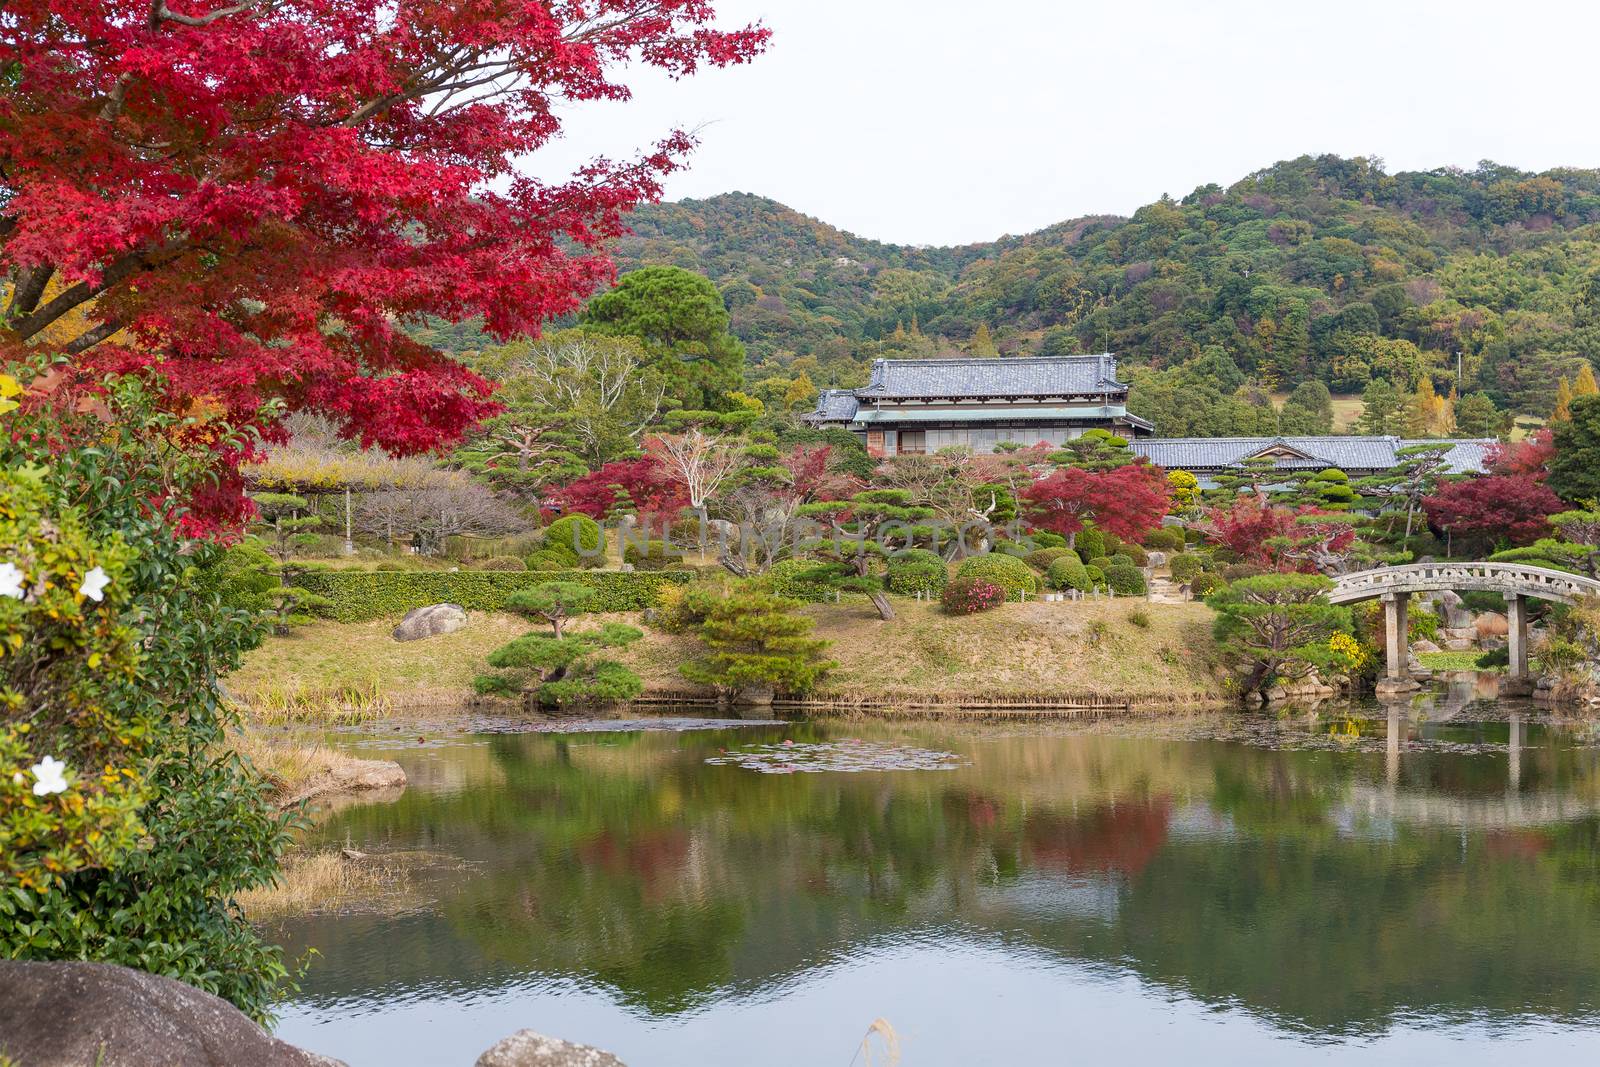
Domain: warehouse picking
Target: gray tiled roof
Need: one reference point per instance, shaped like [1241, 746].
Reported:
[1346, 453]
[835, 405]
[1033, 376]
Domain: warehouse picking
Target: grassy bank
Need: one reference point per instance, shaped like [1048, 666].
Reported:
[1112, 650]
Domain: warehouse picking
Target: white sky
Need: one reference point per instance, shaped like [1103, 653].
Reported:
[933, 122]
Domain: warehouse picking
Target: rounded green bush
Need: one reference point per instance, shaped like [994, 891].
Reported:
[1090, 543]
[1041, 560]
[1100, 561]
[786, 579]
[1068, 572]
[918, 576]
[1205, 583]
[1046, 539]
[654, 556]
[1125, 579]
[1135, 553]
[1165, 539]
[1014, 549]
[576, 534]
[1234, 571]
[1008, 572]
[1123, 557]
[1185, 565]
[546, 560]
[502, 563]
[1097, 577]
[915, 555]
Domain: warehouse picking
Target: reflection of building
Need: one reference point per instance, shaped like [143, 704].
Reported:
[918, 406]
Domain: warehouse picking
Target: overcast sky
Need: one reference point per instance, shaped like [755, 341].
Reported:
[932, 122]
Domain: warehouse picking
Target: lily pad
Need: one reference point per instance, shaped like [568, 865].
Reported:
[848, 756]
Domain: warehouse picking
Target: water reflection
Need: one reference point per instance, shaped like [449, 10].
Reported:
[1328, 875]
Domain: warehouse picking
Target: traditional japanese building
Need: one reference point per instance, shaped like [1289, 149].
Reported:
[1359, 457]
[918, 406]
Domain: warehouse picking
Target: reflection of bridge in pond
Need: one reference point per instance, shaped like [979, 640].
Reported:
[1517, 583]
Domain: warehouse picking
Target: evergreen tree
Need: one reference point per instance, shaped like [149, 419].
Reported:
[1380, 408]
[1563, 409]
[982, 344]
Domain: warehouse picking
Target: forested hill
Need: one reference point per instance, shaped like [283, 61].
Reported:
[1321, 268]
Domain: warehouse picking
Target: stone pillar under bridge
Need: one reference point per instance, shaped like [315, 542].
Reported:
[1517, 682]
[1397, 653]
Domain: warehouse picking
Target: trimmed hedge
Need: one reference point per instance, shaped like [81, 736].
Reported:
[909, 579]
[1090, 542]
[1125, 579]
[1008, 572]
[1186, 566]
[785, 579]
[1068, 572]
[360, 596]
[1041, 559]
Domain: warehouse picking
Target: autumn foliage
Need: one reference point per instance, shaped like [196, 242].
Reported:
[654, 492]
[1128, 501]
[256, 198]
[1494, 510]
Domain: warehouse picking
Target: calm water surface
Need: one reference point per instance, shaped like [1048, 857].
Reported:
[1412, 885]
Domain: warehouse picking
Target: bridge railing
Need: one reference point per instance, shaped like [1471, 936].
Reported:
[1508, 577]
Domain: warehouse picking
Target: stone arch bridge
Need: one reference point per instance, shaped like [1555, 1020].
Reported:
[1517, 583]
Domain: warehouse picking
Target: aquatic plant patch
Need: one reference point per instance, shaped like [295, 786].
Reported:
[849, 756]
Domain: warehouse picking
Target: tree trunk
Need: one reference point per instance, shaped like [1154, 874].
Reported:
[881, 602]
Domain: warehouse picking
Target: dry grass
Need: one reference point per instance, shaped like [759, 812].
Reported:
[1063, 649]
[335, 881]
[296, 771]
[1037, 649]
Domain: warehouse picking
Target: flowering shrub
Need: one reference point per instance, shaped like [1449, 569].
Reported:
[968, 596]
[127, 827]
[1008, 572]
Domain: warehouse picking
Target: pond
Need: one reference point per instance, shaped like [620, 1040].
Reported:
[1364, 885]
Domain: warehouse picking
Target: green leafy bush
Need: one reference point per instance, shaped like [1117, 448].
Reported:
[1233, 572]
[1100, 561]
[1125, 579]
[968, 596]
[577, 537]
[1068, 572]
[1097, 577]
[1274, 626]
[1046, 539]
[1090, 543]
[551, 560]
[653, 556]
[910, 579]
[1205, 583]
[502, 563]
[1164, 539]
[1185, 566]
[360, 596]
[1008, 572]
[1134, 553]
[802, 579]
[1041, 559]
[130, 845]
[916, 555]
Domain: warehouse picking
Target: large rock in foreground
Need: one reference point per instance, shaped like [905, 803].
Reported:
[431, 621]
[99, 1015]
[528, 1049]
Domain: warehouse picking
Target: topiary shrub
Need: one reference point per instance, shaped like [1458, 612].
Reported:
[1165, 539]
[1100, 561]
[1185, 566]
[548, 561]
[1015, 549]
[577, 535]
[359, 596]
[1068, 572]
[1125, 579]
[917, 576]
[915, 555]
[1205, 583]
[1123, 558]
[1090, 543]
[502, 563]
[653, 556]
[1097, 577]
[1041, 560]
[1008, 572]
[801, 579]
[1136, 554]
[1046, 539]
[968, 596]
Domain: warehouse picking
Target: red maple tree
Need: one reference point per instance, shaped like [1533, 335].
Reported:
[254, 197]
[1530, 456]
[1494, 509]
[1304, 539]
[1128, 501]
[655, 493]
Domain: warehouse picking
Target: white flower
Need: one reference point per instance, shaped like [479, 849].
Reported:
[50, 776]
[94, 584]
[17, 778]
[10, 581]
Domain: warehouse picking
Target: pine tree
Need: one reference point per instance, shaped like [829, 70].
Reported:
[1380, 407]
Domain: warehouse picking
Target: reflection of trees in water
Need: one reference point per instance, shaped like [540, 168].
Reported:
[624, 860]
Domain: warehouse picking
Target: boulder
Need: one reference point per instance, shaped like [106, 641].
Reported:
[1155, 559]
[74, 1014]
[431, 621]
[525, 1048]
[1423, 645]
[1460, 644]
[1451, 611]
[1491, 624]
